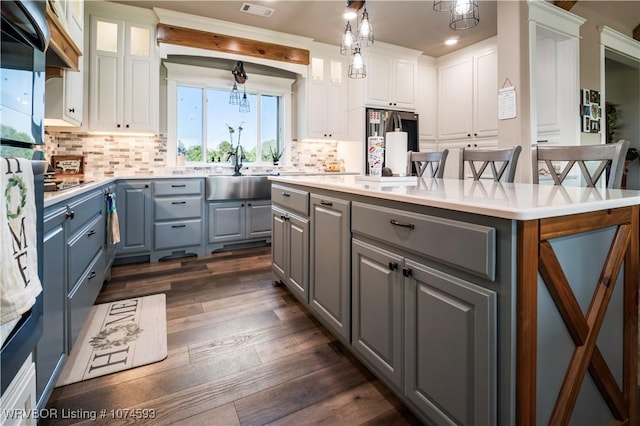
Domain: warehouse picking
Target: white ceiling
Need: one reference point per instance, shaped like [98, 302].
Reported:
[408, 23]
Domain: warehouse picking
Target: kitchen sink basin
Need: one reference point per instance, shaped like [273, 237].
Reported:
[237, 187]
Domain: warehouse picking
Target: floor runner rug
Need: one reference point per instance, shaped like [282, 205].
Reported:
[117, 336]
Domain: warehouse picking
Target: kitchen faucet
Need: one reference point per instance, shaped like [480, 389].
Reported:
[238, 165]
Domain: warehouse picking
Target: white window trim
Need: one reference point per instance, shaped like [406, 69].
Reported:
[211, 78]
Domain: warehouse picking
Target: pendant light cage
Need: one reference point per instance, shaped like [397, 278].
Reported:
[465, 14]
[443, 5]
[357, 69]
[365, 30]
[234, 96]
[244, 103]
[348, 41]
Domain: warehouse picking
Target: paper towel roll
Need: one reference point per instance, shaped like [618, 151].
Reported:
[396, 152]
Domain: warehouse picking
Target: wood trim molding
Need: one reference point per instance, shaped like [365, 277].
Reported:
[61, 43]
[171, 34]
[53, 72]
[565, 4]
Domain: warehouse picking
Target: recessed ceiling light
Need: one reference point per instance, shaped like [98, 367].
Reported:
[451, 41]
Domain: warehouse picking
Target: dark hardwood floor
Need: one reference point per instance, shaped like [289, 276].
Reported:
[240, 352]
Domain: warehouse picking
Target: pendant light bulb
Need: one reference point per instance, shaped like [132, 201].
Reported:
[462, 6]
[357, 59]
[347, 39]
[365, 25]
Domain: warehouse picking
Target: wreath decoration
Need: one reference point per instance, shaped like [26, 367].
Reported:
[124, 334]
[15, 181]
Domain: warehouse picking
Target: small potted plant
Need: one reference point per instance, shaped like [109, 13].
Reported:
[275, 155]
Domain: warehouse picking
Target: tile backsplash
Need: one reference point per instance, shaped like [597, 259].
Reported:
[115, 155]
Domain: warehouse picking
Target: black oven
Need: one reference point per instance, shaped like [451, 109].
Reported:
[24, 39]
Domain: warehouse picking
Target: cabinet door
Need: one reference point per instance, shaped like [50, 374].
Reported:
[330, 293]
[278, 242]
[75, 22]
[105, 83]
[378, 309]
[226, 221]
[404, 84]
[73, 92]
[139, 80]
[378, 81]
[317, 110]
[451, 347]
[455, 100]
[258, 222]
[134, 216]
[51, 348]
[297, 256]
[485, 102]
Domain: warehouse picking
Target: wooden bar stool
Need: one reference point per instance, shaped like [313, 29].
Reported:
[508, 159]
[609, 156]
[435, 161]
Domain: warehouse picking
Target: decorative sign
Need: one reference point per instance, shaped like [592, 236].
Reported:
[374, 117]
[507, 103]
[590, 110]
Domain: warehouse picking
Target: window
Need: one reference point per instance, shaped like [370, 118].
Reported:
[199, 116]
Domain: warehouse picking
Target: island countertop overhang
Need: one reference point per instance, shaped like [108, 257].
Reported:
[515, 201]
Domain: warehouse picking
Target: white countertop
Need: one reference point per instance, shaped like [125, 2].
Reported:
[518, 201]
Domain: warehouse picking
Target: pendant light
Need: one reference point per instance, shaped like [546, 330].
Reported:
[357, 69]
[464, 15]
[348, 41]
[234, 96]
[365, 31]
[244, 102]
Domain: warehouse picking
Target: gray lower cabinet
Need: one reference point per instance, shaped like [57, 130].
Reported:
[238, 221]
[330, 266]
[290, 251]
[52, 348]
[378, 309]
[178, 226]
[134, 215]
[451, 344]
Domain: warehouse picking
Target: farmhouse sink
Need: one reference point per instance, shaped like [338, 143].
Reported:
[237, 187]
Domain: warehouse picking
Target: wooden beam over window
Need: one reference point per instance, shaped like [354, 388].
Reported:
[565, 4]
[224, 43]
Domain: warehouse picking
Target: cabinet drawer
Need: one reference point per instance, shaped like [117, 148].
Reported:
[178, 187]
[177, 208]
[84, 210]
[84, 295]
[83, 248]
[292, 199]
[465, 245]
[178, 234]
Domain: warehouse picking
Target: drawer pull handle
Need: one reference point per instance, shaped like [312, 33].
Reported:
[286, 194]
[70, 213]
[178, 226]
[404, 225]
[92, 275]
[407, 272]
[90, 233]
[326, 203]
[178, 202]
[178, 186]
[393, 266]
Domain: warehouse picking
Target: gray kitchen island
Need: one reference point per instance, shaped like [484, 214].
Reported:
[478, 303]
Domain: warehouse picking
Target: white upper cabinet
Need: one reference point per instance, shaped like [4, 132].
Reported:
[75, 21]
[124, 79]
[64, 99]
[554, 60]
[426, 96]
[322, 98]
[390, 82]
[468, 93]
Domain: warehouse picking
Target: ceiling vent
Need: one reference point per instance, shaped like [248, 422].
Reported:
[254, 9]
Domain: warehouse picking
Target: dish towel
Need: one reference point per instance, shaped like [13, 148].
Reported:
[113, 226]
[19, 281]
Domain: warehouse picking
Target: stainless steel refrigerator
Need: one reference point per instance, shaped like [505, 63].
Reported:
[380, 121]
